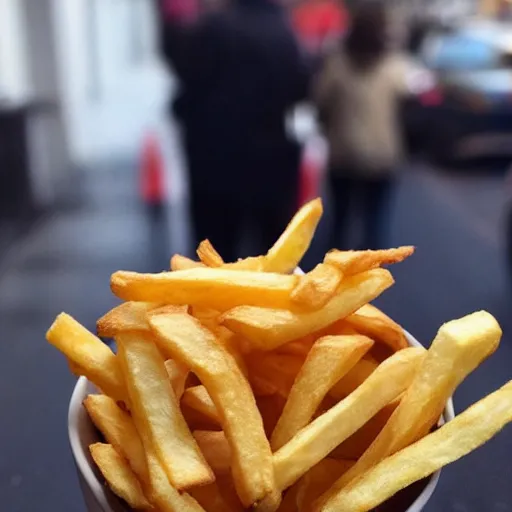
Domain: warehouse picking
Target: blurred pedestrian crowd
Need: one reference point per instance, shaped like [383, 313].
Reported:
[242, 66]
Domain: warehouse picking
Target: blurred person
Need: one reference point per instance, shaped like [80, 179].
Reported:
[357, 94]
[240, 71]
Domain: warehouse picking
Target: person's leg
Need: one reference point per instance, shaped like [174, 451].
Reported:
[377, 202]
[342, 189]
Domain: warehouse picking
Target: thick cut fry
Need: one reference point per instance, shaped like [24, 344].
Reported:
[459, 347]
[268, 329]
[315, 289]
[184, 338]
[157, 410]
[273, 372]
[97, 362]
[197, 398]
[354, 262]
[179, 262]
[287, 252]
[354, 447]
[161, 493]
[452, 441]
[254, 264]
[129, 316]
[318, 480]
[216, 450]
[178, 374]
[353, 379]
[211, 499]
[208, 255]
[320, 437]
[211, 287]
[299, 348]
[119, 476]
[330, 359]
[372, 322]
[119, 430]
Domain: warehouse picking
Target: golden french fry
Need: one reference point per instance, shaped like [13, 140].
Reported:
[161, 493]
[178, 375]
[354, 262]
[216, 450]
[119, 430]
[319, 438]
[328, 361]
[273, 372]
[157, 411]
[184, 338]
[75, 369]
[372, 322]
[287, 252]
[459, 347]
[129, 316]
[268, 329]
[119, 476]
[299, 347]
[211, 287]
[208, 255]
[211, 499]
[179, 262]
[198, 398]
[97, 362]
[318, 480]
[353, 379]
[254, 264]
[359, 441]
[316, 288]
[452, 441]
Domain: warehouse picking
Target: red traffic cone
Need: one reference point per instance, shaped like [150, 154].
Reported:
[152, 172]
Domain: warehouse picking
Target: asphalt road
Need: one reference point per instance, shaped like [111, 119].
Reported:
[65, 262]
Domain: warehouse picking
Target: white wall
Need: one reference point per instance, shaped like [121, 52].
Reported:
[14, 85]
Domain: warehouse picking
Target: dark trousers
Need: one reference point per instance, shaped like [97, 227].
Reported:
[371, 198]
[236, 229]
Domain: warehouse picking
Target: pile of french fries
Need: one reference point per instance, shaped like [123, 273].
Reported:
[242, 385]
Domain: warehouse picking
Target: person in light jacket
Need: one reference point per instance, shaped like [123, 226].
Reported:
[357, 94]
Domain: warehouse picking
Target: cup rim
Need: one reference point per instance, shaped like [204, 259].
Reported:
[104, 496]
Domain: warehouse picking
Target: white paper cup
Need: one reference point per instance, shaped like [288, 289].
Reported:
[98, 498]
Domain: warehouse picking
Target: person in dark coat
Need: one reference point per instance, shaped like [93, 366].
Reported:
[240, 72]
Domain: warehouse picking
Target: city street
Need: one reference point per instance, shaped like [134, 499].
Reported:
[64, 263]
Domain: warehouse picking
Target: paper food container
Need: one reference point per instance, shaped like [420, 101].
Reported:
[99, 498]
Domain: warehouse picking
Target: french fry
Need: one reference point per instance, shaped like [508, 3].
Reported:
[157, 411]
[178, 374]
[97, 362]
[119, 430]
[184, 338]
[119, 476]
[459, 347]
[319, 438]
[330, 359]
[287, 252]
[354, 447]
[197, 398]
[354, 262]
[216, 450]
[129, 316]
[208, 255]
[179, 262]
[299, 347]
[161, 493]
[353, 379]
[254, 264]
[211, 499]
[316, 288]
[452, 441]
[372, 322]
[268, 329]
[318, 480]
[210, 287]
[273, 372]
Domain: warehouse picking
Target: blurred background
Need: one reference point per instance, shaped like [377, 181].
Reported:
[130, 129]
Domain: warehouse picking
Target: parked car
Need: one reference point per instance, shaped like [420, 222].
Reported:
[467, 113]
